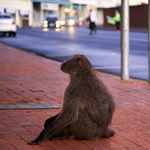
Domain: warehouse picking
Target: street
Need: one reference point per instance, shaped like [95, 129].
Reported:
[102, 48]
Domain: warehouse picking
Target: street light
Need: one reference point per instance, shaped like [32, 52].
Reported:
[67, 10]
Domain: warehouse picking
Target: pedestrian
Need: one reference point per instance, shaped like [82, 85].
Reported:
[92, 18]
[117, 19]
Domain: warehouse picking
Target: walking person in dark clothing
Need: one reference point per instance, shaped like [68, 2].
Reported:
[92, 19]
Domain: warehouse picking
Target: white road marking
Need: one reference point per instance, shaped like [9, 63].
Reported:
[59, 55]
[118, 67]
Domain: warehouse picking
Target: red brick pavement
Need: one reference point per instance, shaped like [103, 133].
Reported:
[26, 78]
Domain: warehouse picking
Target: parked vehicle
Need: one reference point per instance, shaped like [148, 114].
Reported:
[52, 21]
[7, 24]
[71, 21]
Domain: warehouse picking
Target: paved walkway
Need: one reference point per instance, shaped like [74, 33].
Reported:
[30, 80]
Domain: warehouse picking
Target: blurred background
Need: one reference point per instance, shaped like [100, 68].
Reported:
[41, 27]
[32, 13]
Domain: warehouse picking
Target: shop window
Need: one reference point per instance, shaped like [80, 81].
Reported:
[50, 12]
[25, 21]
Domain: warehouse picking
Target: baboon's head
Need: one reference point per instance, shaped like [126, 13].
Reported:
[76, 63]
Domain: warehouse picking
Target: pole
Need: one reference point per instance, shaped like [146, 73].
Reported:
[125, 40]
[71, 9]
[149, 42]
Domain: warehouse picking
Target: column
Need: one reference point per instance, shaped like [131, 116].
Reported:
[41, 15]
[79, 11]
[71, 9]
[17, 17]
[30, 18]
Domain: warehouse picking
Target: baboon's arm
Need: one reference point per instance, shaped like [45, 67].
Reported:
[50, 120]
[68, 115]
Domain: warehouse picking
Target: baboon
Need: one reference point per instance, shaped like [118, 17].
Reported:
[87, 109]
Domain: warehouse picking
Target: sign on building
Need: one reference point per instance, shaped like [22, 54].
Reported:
[49, 6]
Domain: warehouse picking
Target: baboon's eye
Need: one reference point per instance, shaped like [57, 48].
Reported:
[78, 59]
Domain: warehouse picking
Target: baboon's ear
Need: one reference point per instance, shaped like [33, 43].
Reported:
[78, 59]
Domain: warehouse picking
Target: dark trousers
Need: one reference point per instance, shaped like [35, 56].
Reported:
[118, 25]
[92, 26]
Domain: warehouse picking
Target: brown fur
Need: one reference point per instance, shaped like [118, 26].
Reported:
[87, 109]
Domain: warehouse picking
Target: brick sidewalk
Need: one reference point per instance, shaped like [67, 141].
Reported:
[27, 79]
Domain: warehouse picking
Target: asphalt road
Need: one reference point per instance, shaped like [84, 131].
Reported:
[102, 49]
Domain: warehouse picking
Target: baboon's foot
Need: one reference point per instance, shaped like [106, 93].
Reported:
[34, 142]
[108, 133]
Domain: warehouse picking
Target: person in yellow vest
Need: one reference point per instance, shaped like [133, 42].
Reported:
[117, 19]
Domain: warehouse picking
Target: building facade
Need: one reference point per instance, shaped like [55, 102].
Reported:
[101, 4]
[21, 10]
[81, 8]
[42, 8]
[32, 13]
